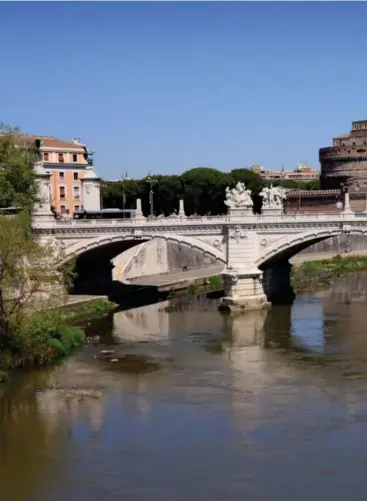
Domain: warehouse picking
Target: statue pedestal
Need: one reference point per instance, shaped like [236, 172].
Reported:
[138, 211]
[243, 290]
[239, 212]
[272, 211]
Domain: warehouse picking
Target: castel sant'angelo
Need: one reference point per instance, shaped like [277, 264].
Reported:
[343, 165]
[346, 161]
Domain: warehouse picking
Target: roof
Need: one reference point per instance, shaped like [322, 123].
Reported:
[50, 141]
[342, 136]
[312, 193]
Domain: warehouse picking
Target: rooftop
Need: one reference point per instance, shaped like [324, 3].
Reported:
[52, 142]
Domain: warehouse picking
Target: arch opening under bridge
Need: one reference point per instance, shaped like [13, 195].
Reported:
[96, 259]
[274, 261]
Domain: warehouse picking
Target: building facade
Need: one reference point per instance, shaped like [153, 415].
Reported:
[68, 162]
[346, 160]
[302, 173]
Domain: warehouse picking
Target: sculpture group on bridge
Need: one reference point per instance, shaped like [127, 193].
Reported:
[273, 197]
[240, 197]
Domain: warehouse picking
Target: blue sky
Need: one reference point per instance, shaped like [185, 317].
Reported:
[164, 87]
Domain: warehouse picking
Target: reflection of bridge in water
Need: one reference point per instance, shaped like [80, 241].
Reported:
[247, 359]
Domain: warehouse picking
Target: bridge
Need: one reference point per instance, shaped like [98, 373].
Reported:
[254, 248]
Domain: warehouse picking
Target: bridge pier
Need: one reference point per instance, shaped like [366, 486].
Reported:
[277, 283]
[243, 290]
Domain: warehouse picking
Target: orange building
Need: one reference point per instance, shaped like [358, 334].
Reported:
[302, 173]
[67, 162]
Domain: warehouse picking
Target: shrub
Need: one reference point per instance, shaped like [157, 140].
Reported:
[215, 283]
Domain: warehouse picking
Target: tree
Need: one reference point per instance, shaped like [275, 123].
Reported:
[32, 276]
[204, 190]
[252, 180]
[18, 186]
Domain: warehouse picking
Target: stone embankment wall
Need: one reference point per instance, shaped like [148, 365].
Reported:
[339, 245]
[157, 256]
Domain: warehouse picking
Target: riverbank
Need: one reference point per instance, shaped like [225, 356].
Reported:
[50, 335]
[312, 276]
[307, 276]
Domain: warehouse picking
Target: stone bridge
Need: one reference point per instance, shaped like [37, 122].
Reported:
[254, 248]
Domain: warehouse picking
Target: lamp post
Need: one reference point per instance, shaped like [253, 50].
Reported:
[123, 194]
[151, 181]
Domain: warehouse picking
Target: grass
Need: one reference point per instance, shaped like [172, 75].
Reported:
[317, 275]
[90, 310]
[214, 283]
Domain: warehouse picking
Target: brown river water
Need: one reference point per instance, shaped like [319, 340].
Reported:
[199, 406]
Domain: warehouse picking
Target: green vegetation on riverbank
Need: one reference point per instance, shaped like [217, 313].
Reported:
[211, 284]
[50, 335]
[317, 275]
[89, 310]
[310, 276]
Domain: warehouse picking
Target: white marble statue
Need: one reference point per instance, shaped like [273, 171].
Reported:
[238, 197]
[273, 197]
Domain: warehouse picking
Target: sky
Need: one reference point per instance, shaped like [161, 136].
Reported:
[166, 87]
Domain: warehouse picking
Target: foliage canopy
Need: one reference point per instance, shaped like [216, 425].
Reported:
[201, 188]
[18, 187]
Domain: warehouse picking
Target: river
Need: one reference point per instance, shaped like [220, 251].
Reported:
[198, 405]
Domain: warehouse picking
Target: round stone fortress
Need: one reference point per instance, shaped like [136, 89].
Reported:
[346, 160]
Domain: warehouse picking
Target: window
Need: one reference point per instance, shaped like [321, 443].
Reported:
[62, 209]
[76, 208]
[61, 158]
[62, 192]
[45, 157]
[75, 157]
[76, 192]
[61, 176]
[75, 176]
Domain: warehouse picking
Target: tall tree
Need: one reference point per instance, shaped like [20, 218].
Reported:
[31, 276]
[204, 190]
[18, 185]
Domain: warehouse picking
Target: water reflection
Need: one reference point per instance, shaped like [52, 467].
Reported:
[178, 398]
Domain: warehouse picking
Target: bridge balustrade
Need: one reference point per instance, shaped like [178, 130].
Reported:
[206, 220]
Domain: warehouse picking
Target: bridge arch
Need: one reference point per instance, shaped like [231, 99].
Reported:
[288, 246]
[83, 246]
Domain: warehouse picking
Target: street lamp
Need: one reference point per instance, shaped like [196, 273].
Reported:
[123, 193]
[151, 181]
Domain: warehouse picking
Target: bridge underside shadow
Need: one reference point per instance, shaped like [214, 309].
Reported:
[277, 273]
[94, 277]
[93, 271]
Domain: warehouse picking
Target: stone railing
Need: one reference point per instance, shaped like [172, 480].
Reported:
[252, 219]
